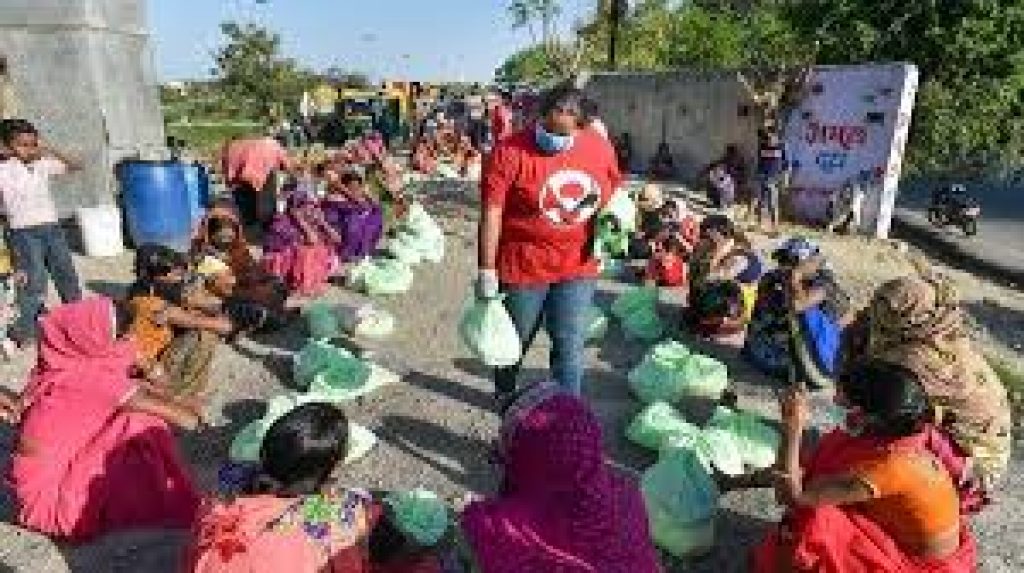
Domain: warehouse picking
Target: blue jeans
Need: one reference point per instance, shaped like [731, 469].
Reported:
[563, 308]
[37, 251]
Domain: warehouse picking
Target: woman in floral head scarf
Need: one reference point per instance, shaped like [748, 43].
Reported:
[917, 322]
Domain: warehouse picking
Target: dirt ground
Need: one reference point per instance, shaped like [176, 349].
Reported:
[435, 427]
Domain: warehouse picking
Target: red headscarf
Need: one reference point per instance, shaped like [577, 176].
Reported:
[563, 508]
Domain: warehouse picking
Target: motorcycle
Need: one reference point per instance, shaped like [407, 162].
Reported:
[953, 206]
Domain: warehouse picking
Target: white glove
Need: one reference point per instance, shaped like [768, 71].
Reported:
[487, 284]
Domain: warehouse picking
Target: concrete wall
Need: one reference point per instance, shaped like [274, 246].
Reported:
[696, 113]
[83, 72]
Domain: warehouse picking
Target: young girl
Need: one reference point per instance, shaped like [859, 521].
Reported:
[871, 498]
[94, 453]
[291, 516]
[667, 267]
[724, 274]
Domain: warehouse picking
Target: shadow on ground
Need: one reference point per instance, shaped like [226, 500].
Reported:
[462, 459]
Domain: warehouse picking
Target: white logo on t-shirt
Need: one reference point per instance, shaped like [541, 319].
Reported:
[570, 197]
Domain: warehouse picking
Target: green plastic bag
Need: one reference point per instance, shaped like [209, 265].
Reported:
[623, 209]
[245, 447]
[758, 442]
[381, 276]
[373, 324]
[670, 372]
[488, 332]
[419, 514]
[335, 366]
[659, 425]
[637, 310]
[402, 247]
[658, 377]
[322, 321]
[682, 501]
[328, 388]
[597, 324]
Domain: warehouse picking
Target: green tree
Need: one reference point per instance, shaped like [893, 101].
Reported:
[972, 68]
[254, 74]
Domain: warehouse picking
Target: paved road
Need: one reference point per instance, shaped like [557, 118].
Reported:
[997, 249]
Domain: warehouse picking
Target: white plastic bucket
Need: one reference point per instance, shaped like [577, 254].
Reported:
[101, 230]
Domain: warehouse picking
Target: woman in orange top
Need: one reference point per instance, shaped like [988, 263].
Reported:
[872, 497]
[175, 342]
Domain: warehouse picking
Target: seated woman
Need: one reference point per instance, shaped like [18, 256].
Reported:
[350, 212]
[870, 499]
[799, 317]
[292, 516]
[650, 223]
[175, 332]
[220, 237]
[663, 166]
[724, 273]
[300, 247]
[562, 507]
[94, 453]
[918, 322]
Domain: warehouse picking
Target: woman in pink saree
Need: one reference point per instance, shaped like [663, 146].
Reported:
[562, 508]
[94, 453]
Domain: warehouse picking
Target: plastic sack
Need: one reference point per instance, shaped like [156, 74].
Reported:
[682, 501]
[658, 425]
[321, 321]
[637, 310]
[623, 209]
[758, 442]
[245, 447]
[373, 324]
[597, 324]
[338, 366]
[329, 388]
[670, 372]
[419, 514]
[488, 332]
[381, 277]
[402, 247]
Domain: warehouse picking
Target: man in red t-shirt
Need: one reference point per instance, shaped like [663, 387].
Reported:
[541, 190]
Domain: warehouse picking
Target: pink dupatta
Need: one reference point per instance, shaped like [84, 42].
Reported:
[564, 509]
[85, 466]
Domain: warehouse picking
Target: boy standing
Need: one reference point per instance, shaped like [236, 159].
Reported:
[34, 234]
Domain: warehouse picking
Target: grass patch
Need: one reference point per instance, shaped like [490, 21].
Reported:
[207, 138]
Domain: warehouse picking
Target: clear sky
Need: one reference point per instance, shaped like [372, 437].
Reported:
[422, 39]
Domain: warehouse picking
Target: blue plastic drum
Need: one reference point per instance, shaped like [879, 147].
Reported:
[156, 203]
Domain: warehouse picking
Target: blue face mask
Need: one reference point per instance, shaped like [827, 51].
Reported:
[551, 143]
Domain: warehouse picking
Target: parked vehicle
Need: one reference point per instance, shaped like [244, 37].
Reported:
[953, 206]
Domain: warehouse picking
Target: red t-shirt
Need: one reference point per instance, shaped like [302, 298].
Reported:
[549, 205]
[668, 270]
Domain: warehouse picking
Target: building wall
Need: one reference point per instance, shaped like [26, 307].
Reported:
[699, 113]
[83, 73]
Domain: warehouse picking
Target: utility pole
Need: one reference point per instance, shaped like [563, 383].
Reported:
[618, 11]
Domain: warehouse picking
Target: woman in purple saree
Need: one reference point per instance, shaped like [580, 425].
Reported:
[352, 213]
